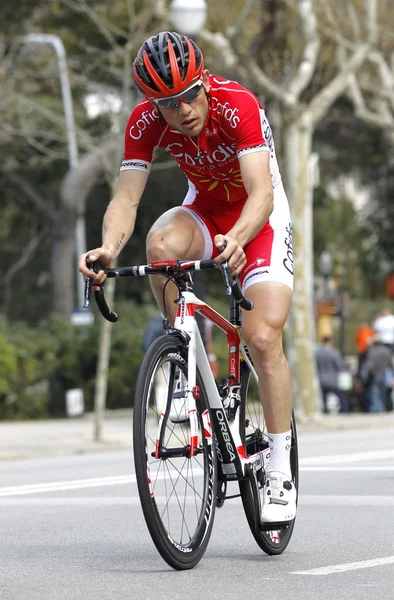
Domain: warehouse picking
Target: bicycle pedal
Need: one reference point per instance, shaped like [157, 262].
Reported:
[274, 526]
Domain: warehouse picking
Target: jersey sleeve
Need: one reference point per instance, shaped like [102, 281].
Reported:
[142, 134]
[252, 131]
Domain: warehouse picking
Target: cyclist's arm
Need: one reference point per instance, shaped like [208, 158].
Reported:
[256, 177]
[118, 223]
[119, 219]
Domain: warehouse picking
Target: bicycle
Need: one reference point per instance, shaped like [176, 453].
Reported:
[183, 468]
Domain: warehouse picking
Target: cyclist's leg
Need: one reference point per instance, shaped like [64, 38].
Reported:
[262, 329]
[178, 233]
[267, 280]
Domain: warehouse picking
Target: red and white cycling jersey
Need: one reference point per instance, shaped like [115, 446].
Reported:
[236, 124]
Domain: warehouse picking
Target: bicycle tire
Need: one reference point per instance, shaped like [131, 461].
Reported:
[254, 437]
[180, 539]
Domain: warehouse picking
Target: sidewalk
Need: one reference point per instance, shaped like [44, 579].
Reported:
[39, 439]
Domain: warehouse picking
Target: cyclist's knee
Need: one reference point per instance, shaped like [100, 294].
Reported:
[174, 236]
[265, 342]
[163, 243]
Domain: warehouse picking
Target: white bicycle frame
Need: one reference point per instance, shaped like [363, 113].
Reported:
[231, 453]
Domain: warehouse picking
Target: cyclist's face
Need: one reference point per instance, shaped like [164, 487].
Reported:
[189, 118]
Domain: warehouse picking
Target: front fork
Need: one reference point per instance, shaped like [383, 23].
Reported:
[192, 394]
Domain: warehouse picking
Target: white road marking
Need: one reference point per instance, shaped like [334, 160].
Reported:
[317, 463]
[336, 459]
[70, 501]
[352, 469]
[364, 564]
[67, 501]
[346, 501]
[58, 486]
[307, 500]
[77, 484]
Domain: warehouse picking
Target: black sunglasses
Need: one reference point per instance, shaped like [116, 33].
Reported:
[187, 96]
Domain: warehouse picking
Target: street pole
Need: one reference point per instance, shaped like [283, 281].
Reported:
[57, 44]
[342, 330]
[101, 385]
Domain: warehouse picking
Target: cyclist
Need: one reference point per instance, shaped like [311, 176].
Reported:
[218, 133]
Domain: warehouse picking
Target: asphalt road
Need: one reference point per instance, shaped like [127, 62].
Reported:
[71, 527]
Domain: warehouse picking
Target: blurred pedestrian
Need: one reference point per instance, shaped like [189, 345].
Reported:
[377, 374]
[364, 335]
[330, 364]
[153, 330]
[384, 327]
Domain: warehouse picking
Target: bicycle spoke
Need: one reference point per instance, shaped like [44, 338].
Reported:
[175, 490]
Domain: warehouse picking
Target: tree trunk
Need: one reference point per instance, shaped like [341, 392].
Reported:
[297, 146]
[63, 263]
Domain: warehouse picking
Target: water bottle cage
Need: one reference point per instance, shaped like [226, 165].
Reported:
[229, 391]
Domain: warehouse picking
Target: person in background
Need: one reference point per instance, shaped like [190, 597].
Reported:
[329, 364]
[384, 327]
[376, 368]
[153, 330]
[364, 335]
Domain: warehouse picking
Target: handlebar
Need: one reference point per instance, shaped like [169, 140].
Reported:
[162, 267]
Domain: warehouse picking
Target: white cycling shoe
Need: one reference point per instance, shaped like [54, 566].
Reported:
[179, 411]
[279, 502]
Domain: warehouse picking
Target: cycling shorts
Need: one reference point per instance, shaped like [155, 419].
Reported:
[269, 254]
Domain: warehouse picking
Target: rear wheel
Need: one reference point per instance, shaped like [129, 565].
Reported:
[177, 492]
[254, 435]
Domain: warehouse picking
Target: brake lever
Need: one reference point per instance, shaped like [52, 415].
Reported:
[88, 284]
[228, 280]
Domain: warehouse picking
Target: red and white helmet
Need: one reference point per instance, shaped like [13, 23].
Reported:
[166, 64]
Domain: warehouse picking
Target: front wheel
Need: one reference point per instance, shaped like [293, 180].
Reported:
[177, 492]
[254, 435]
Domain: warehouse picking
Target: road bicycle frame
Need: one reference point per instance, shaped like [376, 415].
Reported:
[241, 448]
[231, 453]
[230, 450]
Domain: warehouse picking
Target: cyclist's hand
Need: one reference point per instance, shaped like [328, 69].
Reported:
[233, 253]
[103, 257]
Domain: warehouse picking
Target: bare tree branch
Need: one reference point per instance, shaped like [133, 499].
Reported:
[159, 8]
[25, 257]
[78, 182]
[378, 119]
[354, 21]
[386, 76]
[222, 46]
[371, 21]
[108, 30]
[84, 139]
[132, 17]
[324, 99]
[250, 69]
[308, 62]
[234, 31]
[40, 202]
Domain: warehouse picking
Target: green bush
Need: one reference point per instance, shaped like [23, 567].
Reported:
[38, 365]
[64, 356]
[8, 364]
[28, 356]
